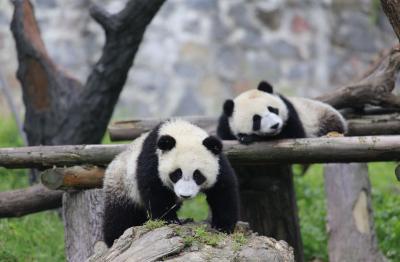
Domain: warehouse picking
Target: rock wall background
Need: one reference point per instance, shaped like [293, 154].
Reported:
[197, 53]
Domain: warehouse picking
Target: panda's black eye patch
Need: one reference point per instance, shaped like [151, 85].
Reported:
[176, 175]
[273, 110]
[256, 122]
[166, 142]
[198, 177]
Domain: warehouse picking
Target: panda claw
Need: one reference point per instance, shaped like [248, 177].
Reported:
[174, 221]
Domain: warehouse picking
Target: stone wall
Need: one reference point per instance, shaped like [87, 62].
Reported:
[196, 53]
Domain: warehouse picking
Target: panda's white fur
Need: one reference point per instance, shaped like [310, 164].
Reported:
[252, 102]
[140, 183]
[313, 112]
[188, 156]
[261, 114]
[120, 176]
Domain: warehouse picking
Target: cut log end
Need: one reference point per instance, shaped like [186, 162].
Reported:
[193, 242]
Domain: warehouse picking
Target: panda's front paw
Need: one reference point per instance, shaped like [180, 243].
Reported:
[226, 228]
[174, 221]
[245, 139]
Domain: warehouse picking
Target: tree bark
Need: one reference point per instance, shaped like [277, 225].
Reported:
[374, 89]
[181, 243]
[268, 202]
[83, 213]
[302, 150]
[76, 177]
[17, 203]
[350, 216]
[59, 109]
[392, 11]
[383, 123]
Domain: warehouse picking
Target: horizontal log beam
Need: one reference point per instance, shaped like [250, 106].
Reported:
[37, 198]
[76, 177]
[131, 129]
[307, 150]
[361, 126]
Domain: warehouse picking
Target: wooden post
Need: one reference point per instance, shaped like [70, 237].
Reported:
[269, 202]
[350, 218]
[83, 213]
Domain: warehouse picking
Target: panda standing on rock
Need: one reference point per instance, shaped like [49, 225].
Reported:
[161, 168]
[262, 115]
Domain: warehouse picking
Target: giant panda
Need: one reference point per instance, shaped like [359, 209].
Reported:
[260, 114]
[173, 162]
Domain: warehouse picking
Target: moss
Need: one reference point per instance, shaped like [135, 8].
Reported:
[199, 235]
[239, 240]
[153, 224]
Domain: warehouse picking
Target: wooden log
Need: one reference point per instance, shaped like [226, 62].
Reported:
[305, 150]
[386, 124]
[76, 177]
[175, 243]
[374, 125]
[350, 219]
[131, 129]
[83, 213]
[16, 203]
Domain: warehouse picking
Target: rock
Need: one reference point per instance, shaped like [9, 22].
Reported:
[355, 33]
[269, 18]
[194, 242]
[283, 49]
[203, 5]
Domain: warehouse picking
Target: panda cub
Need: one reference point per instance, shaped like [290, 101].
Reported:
[261, 114]
[173, 162]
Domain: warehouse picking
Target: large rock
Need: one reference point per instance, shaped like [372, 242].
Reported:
[192, 242]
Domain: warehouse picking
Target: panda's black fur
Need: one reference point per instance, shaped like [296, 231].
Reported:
[293, 126]
[158, 200]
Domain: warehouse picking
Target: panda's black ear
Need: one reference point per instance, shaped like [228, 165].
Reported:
[166, 142]
[213, 144]
[265, 87]
[228, 107]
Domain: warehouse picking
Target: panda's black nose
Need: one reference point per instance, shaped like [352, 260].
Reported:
[184, 197]
[275, 126]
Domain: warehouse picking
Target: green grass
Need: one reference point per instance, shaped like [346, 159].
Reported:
[37, 237]
[40, 237]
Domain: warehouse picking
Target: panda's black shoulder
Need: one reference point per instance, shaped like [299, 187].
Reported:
[223, 129]
[294, 127]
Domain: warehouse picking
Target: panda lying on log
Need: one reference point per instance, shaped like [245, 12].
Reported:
[161, 168]
[260, 115]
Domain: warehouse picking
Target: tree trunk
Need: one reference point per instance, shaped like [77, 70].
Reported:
[269, 202]
[83, 213]
[350, 216]
[192, 242]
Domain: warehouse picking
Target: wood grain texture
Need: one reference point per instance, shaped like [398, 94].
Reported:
[178, 243]
[76, 177]
[305, 150]
[350, 216]
[19, 202]
[82, 213]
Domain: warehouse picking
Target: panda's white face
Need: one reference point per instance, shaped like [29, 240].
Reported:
[187, 166]
[257, 112]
